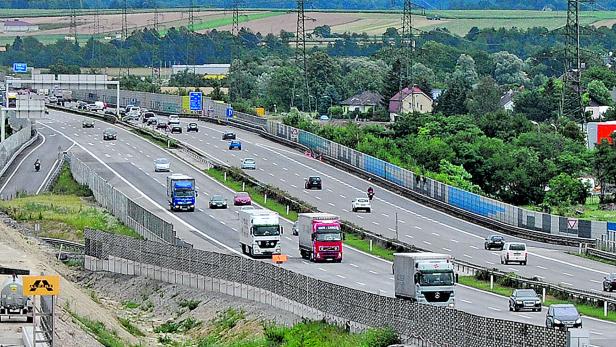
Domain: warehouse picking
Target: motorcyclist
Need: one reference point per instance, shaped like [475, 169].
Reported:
[37, 164]
[370, 193]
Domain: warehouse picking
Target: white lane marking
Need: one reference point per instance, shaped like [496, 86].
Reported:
[21, 162]
[282, 180]
[322, 269]
[273, 163]
[391, 229]
[329, 190]
[409, 236]
[294, 186]
[288, 238]
[360, 217]
[541, 267]
[200, 210]
[446, 249]
[455, 241]
[494, 309]
[417, 227]
[342, 196]
[466, 301]
[107, 155]
[595, 281]
[375, 223]
[567, 284]
[489, 262]
[435, 234]
[384, 215]
[285, 169]
[567, 274]
[38, 191]
[340, 276]
[373, 272]
[524, 316]
[316, 197]
[401, 221]
[512, 269]
[330, 204]
[361, 284]
[468, 256]
[427, 242]
[595, 332]
[353, 265]
[150, 200]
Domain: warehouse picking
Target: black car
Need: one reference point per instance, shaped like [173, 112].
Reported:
[147, 116]
[228, 136]
[313, 182]
[192, 127]
[152, 121]
[87, 123]
[609, 282]
[176, 128]
[524, 299]
[494, 241]
[563, 316]
[217, 201]
[110, 134]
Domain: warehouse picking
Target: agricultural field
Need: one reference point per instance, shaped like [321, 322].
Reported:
[55, 24]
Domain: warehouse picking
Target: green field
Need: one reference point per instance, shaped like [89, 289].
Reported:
[221, 22]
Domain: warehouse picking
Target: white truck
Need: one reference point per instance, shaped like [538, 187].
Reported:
[320, 237]
[260, 232]
[424, 277]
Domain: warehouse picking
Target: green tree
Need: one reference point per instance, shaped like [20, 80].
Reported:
[598, 91]
[392, 83]
[604, 164]
[323, 31]
[484, 98]
[453, 100]
[509, 69]
[565, 190]
[465, 70]
[599, 73]
[60, 68]
[423, 77]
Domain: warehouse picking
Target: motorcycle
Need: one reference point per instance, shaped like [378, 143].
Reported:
[370, 195]
[37, 167]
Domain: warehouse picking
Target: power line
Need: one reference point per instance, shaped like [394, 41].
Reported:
[72, 32]
[300, 50]
[407, 42]
[124, 36]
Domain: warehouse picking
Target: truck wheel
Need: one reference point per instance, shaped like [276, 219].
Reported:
[250, 252]
[243, 249]
[311, 257]
[29, 319]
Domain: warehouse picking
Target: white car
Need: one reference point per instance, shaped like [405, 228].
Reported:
[162, 164]
[361, 204]
[173, 119]
[514, 252]
[249, 164]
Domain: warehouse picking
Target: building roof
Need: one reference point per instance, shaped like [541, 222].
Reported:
[594, 103]
[366, 98]
[17, 23]
[507, 98]
[395, 103]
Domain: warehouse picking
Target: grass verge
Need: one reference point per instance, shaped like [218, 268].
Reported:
[133, 330]
[103, 335]
[66, 185]
[256, 195]
[364, 246]
[592, 257]
[63, 216]
[584, 309]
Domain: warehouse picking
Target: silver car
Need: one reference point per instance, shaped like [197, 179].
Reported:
[249, 164]
[162, 164]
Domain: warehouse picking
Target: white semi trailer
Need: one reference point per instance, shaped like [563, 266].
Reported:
[425, 278]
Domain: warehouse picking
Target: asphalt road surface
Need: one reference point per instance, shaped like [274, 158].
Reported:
[128, 164]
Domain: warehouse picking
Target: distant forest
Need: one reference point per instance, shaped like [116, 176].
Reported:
[313, 4]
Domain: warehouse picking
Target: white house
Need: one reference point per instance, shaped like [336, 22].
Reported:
[363, 103]
[16, 25]
[596, 110]
[506, 101]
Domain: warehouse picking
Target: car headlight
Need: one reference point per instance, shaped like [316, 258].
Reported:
[556, 321]
[578, 321]
[518, 302]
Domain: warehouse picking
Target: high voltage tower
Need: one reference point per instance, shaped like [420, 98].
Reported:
[235, 31]
[300, 50]
[191, 16]
[124, 36]
[72, 32]
[190, 49]
[573, 64]
[125, 21]
[156, 17]
[407, 42]
[96, 32]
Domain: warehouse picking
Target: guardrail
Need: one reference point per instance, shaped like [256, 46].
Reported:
[66, 245]
[388, 242]
[600, 254]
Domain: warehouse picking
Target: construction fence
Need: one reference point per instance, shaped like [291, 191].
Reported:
[305, 296]
[145, 223]
[538, 223]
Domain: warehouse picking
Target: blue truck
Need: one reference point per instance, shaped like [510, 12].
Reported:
[181, 192]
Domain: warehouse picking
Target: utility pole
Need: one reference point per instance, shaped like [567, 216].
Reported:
[191, 29]
[156, 17]
[573, 66]
[407, 44]
[97, 32]
[300, 49]
[235, 31]
[191, 16]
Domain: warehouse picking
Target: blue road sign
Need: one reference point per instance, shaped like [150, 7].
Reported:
[229, 112]
[196, 101]
[20, 67]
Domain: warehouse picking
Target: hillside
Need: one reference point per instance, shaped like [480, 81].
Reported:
[315, 4]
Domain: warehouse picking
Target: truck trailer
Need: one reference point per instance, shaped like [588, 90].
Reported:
[320, 237]
[12, 301]
[181, 192]
[260, 232]
[424, 277]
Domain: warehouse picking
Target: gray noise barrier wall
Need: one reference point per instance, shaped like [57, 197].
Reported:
[305, 296]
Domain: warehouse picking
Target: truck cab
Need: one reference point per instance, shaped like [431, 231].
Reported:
[181, 193]
[320, 237]
[427, 278]
[260, 232]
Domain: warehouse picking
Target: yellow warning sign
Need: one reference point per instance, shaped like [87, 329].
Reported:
[41, 285]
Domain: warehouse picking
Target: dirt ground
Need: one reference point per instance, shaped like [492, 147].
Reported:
[105, 297]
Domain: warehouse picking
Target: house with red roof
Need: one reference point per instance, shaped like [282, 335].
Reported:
[409, 100]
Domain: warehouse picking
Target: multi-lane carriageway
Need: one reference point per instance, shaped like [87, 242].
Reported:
[128, 164]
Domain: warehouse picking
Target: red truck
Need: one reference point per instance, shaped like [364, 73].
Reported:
[320, 237]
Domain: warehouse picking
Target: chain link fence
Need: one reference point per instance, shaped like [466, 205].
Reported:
[145, 223]
[306, 296]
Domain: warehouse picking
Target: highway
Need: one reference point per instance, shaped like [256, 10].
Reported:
[128, 164]
[422, 226]
[21, 176]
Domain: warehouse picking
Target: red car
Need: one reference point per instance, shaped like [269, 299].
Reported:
[241, 199]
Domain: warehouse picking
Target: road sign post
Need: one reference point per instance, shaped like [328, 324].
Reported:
[196, 101]
[47, 287]
[20, 67]
[229, 112]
